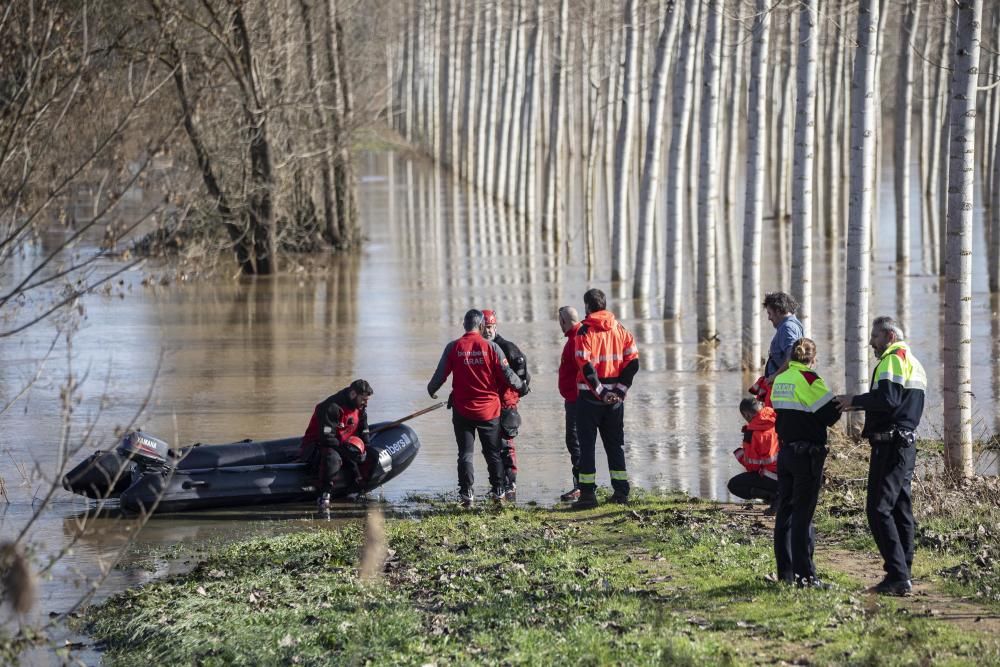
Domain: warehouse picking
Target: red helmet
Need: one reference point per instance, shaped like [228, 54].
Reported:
[489, 317]
[355, 442]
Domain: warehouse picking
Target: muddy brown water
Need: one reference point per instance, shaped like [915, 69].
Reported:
[229, 358]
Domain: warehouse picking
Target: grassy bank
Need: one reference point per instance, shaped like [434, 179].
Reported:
[666, 580]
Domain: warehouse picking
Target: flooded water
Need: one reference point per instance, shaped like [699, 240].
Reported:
[230, 358]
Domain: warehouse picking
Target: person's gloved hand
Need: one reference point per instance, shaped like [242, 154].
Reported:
[759, 388]
[334, 414]
[525, 389]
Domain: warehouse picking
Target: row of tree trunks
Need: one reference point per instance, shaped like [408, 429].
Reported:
[570, 86]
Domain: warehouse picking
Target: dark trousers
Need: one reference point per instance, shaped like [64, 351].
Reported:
[508, 454]
[749, 485]
[330, 464]
[800, 474]
[890, 508]
[572, 442]
[608, 420]
[489, 438]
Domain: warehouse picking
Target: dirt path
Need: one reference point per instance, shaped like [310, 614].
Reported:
[927, 600]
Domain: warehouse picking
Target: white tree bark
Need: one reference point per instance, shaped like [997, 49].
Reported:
[654, 144]
[436, 141]
[557, 128]
[488, 95]
[993, 141]
[957, 346]
[943, 138]
[708, 187]
[834, 138]
[509, 130]
[681, 110]
[731, 149]
[623, 153]
[494, 37]
[470, 96]
[803, 158]
[753, 211]
[531, 100]
[454, 84]
[860, 205]
[903, 131]
[993, 256]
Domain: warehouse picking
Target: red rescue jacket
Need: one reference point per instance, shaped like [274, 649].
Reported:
[479, 372]
[604, 351]
[760, 444]
[567, 368]
[351, 431]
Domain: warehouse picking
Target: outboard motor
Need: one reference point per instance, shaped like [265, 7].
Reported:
[144, 449]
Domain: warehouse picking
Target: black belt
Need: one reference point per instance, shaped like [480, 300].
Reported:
[903, 436]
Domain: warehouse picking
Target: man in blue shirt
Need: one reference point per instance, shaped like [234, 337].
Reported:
[781, 309]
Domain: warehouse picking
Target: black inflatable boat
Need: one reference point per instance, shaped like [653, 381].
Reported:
[146, 475]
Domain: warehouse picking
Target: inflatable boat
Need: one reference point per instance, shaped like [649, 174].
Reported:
[146, 475]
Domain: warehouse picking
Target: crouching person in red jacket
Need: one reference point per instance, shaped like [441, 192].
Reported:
[337, 437]
[759, 455]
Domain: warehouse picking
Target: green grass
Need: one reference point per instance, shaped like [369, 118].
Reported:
[664, 581]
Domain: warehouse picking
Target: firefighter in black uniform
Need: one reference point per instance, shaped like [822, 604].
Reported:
[510, 419]
[893, 407]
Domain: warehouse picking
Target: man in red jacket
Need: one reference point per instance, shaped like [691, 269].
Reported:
[569, 322]
[607, 360]
[480, 372]
[337, 437]
[759, 455]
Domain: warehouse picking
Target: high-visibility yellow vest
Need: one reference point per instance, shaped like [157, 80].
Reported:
[897, 364]
[800, 388]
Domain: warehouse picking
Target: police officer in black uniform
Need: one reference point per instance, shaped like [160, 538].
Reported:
[893, 407]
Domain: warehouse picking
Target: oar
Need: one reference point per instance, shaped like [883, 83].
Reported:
[383, 427]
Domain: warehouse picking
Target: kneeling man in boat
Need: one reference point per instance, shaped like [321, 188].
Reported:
[337, 437]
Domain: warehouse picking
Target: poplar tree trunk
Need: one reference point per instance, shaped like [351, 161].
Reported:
[902, 141]
[805, 146]
[509, 117]
[455, 82]
[944, 163]
[860, 205]
[531, 100]
[652, 161]
[753, 212]
[493, 100]
[731, 151]
[404, 89]
[556, 125]
[708, 188]
[470, 86]
[957, 348]
[993, 127]
[623, 153]
[993, 255]
[834, 139]
[486, 82]
[681, 108]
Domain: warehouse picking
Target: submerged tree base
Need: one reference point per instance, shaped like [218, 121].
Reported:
[666, 580]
